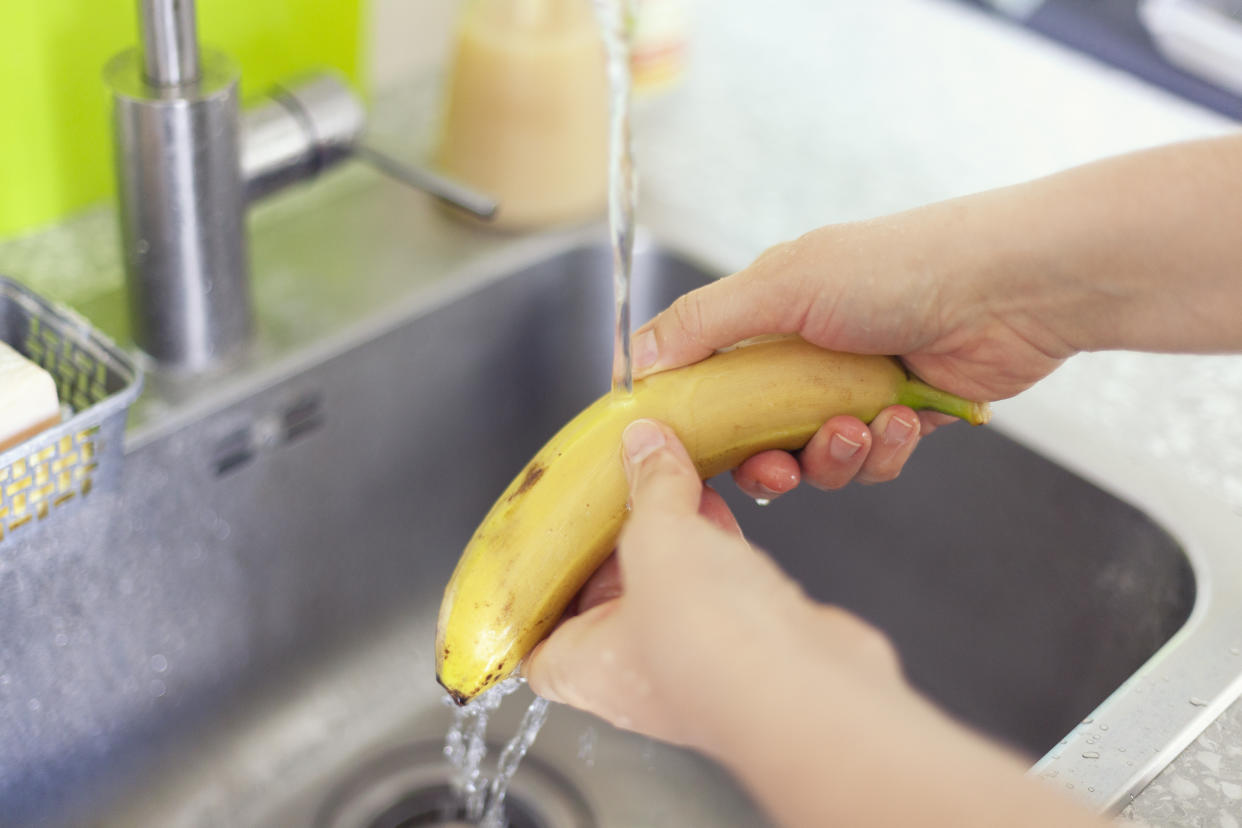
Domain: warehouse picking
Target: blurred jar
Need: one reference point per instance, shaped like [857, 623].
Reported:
[658, 47]
[526, 118]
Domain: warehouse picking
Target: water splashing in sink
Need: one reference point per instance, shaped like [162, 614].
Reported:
[510, 758]
[465, 747]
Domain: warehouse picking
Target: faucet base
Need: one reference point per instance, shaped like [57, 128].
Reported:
[182, 211]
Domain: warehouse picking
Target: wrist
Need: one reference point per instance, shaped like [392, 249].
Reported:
[817, 670]
[1002, 268]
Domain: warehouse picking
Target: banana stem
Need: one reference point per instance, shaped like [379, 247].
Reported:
[919, 396]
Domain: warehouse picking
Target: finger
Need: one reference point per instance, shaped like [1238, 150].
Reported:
[929, 421]
[768, 475]
[662, 477]
[604, 585]
[565, 666]
[894, 434]
[768, 297]
[836, 452]
[664, 541]
[713, 507]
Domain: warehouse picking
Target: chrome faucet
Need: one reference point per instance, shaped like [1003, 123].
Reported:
[189, 163]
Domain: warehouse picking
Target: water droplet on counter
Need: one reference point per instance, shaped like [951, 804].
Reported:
[1103, 727]
[1088, 720]
[1090, 754]
[762, 501]
[159, 663]
[158, 688]
[35, 705]
[1091, 788]
[61, 640]
[1069, 785]
[4, 679]
[1123, 750]
[1235, 651]
[1197, 702]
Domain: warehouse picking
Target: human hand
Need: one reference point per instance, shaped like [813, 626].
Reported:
[699, 639]
[689, 625]
[891, 286]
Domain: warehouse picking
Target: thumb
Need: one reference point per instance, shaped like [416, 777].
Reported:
[565, 666]
[662, 476]
[768, 297]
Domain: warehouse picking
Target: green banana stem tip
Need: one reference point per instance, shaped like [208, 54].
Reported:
[921, 396]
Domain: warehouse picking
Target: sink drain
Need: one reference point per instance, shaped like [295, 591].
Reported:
[410, 788]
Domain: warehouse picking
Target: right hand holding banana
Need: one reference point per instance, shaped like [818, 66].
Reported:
[888, 286]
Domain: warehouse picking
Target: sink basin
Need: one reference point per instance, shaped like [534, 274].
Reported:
[243, 634]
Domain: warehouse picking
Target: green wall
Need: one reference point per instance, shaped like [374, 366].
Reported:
[55, 139]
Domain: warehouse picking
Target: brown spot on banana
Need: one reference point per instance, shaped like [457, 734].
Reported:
[533, 472]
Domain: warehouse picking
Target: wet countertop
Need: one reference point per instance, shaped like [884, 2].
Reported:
[797, 113]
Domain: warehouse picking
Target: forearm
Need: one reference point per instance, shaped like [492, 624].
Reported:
[817, 749]
[1139, 252]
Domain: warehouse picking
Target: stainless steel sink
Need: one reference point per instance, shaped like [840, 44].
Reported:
[243, 636]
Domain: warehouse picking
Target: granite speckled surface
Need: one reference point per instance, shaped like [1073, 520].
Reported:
[802, 112]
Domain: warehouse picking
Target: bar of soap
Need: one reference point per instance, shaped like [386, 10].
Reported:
[28, 401]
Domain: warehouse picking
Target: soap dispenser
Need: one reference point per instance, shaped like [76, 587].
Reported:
[526, 110]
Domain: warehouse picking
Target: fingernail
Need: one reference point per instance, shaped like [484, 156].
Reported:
[644, 350]
[766, 492]
[640, 439]
[898, 431]
[842, 448]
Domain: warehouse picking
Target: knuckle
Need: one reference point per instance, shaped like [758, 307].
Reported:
[865, 642]
[827, 481]
[877, 474]
[687, 311]
[878, 649]
[888, 473]
[556, 680]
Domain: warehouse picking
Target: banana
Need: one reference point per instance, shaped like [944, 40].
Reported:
[559, 518]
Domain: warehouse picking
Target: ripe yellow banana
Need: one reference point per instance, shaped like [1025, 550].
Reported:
[559, 518]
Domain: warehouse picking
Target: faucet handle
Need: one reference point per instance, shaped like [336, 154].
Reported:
[301, 130]
[317, 122]
[445, 189]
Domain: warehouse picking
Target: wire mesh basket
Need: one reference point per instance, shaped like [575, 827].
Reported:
[96, 382]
